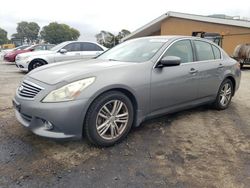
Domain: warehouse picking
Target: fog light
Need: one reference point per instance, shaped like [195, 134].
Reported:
[48, 125]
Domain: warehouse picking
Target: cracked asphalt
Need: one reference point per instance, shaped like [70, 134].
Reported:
[200, 147]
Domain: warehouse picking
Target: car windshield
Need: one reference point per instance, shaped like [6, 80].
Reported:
[20, 47]
[29, 47]
[59, 46]
[138, 50]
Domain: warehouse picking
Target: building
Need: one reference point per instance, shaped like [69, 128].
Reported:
[233, 31]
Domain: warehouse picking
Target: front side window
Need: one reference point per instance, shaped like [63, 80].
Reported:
[204, 51]
[73, 47]
[181, 49]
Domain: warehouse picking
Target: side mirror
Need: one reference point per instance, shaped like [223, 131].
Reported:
[63, 51]
[169, 61]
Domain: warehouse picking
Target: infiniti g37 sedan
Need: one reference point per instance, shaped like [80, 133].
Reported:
[139, 79]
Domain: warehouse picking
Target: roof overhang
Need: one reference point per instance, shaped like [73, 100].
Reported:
[155, 25]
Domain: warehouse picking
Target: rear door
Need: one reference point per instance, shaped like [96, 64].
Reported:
[210, 68]
[175, 85]
[90, 50]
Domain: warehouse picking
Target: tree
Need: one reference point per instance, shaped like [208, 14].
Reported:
[56, 33]
[27, 31]
[123, 33]
[109, 40]
[106, 39]
[3, 36]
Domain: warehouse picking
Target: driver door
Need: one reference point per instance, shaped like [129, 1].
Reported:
[73, 52]
[174, 85]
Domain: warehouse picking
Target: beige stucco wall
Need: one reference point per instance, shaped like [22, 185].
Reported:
[178, 26]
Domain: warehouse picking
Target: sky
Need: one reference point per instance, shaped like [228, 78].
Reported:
[92, 16]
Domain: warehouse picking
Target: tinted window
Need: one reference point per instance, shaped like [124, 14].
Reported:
[86, 46]
[73, 47]
[204, 51]
[182, 49]
[216, 52]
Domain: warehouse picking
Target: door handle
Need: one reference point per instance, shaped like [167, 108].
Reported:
[220, 66]
[193, 71]
[77, 54]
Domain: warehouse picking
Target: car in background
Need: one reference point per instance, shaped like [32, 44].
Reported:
[5, 51]
[11, 56]
[139, 79]
[70, 50]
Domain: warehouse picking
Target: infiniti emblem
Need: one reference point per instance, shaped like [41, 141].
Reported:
[20, 88]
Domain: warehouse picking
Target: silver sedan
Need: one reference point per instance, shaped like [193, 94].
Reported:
[139, 79]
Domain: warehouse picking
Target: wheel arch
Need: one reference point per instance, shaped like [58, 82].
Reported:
[231, 78]
[123, 90]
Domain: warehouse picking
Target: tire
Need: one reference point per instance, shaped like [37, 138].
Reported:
[105, 126]
[225, 91]
[35, 64]
[241, 65]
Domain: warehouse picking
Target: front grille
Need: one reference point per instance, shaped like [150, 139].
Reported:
[28, 89]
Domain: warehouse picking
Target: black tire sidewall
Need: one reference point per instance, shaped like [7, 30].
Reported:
[217, 102]
[90, 121]
[31, 67]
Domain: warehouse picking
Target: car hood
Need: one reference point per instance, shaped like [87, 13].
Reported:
[37, 53]
[67, 71]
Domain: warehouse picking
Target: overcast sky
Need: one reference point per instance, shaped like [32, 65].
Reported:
[91, 16]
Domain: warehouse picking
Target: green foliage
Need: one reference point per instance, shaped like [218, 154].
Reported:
[27, 31]
[56, 33]
[109, 40]
[3, 36]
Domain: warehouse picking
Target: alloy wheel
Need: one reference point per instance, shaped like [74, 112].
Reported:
[225, 94]
[112, 119]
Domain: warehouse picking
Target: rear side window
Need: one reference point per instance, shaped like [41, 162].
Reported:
[87, 46]
[181, 49]
[204, 51]
[216, 51]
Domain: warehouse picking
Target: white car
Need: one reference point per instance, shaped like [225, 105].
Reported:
[5, 51]
[70, 50]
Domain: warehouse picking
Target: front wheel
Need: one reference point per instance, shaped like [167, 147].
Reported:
[109, 119]
[35, 64]
[224, 95]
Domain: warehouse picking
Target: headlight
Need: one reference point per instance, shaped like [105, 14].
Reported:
[68, 92]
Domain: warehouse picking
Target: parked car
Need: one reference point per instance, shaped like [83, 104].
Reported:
[134, 81]
[5, 51]
[11, 57]
[70, 50]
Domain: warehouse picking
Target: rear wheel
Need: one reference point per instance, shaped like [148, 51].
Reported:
[224, 95]
[109, 119]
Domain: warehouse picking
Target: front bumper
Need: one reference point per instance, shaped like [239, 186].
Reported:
[9, 59]
[22, 64]
[67, 118]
